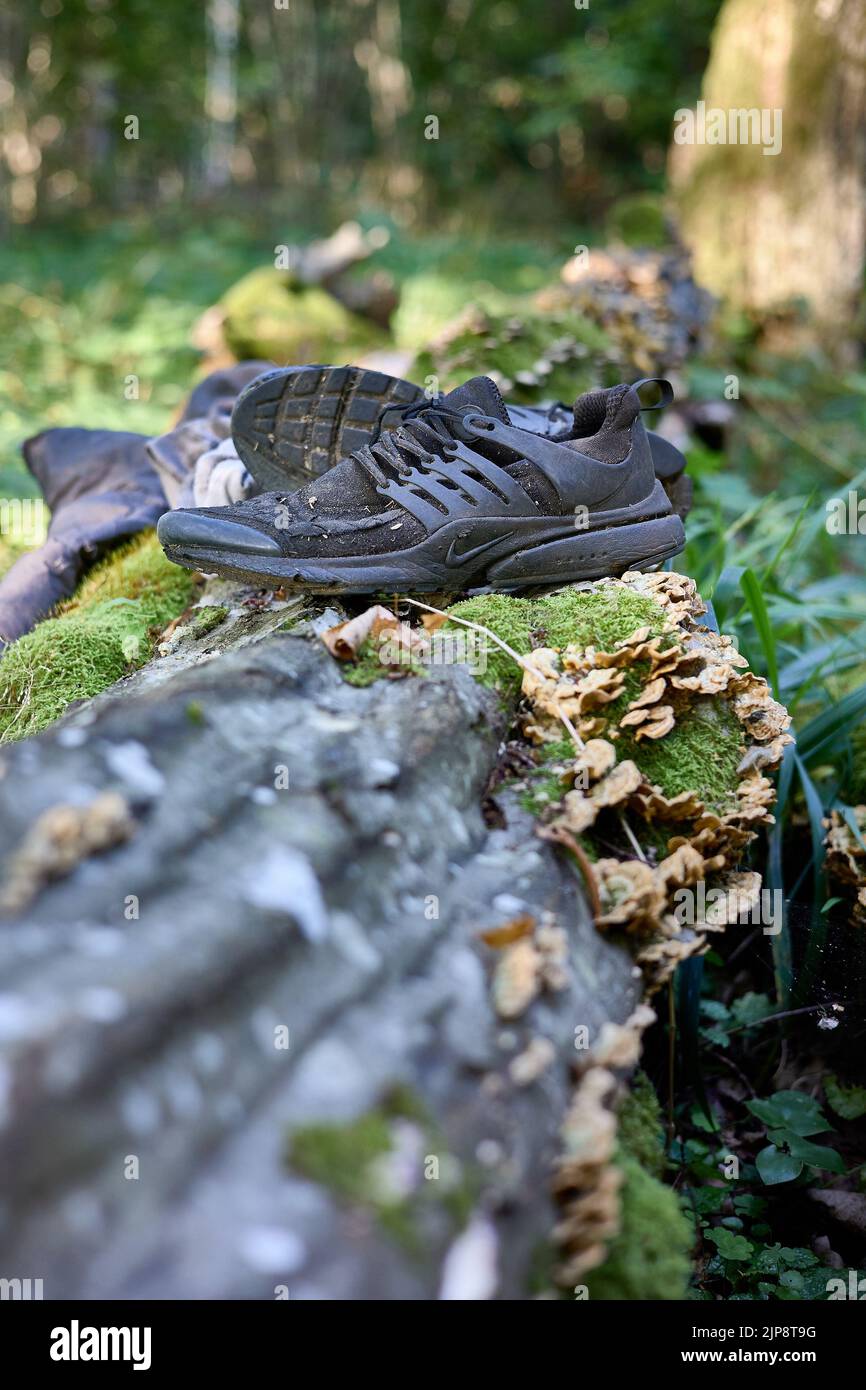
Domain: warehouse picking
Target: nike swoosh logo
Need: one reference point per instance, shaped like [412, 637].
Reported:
[459, 557]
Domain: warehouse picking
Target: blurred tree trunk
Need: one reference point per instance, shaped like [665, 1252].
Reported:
[221, 90]
[768, 230]
[379, 55]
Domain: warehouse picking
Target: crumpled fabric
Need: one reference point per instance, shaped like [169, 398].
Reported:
[104, 486]
[197, 462]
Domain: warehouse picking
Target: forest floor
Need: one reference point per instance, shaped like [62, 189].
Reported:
[763, 1018]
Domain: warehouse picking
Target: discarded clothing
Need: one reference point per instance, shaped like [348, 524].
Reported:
[104, 486]
[197, 462]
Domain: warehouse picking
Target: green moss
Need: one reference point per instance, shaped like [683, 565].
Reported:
[651, 1256]
[138, 571]
[701, 753]
[206, 619]
[638, 220]
[367, 667]
[339, 1156]
[348, 1159]
[102, 633]
[600, 618]
[545, 786]
[269, 316]
[640, 1126]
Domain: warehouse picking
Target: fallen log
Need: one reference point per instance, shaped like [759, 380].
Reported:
[255, 1037]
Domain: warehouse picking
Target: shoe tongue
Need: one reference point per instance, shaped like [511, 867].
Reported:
[481, 394]
[589, 413]
[613, 408]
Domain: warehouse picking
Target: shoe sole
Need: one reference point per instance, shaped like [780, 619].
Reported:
[607, 551]
[292, 424]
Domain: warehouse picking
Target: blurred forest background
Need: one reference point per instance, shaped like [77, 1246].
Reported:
[545, 112]
[154, 156]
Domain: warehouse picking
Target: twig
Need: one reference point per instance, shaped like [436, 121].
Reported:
[477, 627]
[632, 838]
[509, 651]
[732, 1066]
[560, 836]
[771, 1018]
[575, 736]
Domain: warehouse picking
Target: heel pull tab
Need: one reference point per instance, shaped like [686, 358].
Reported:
[665, 392]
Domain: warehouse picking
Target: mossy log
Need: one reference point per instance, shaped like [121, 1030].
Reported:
[248, 1040]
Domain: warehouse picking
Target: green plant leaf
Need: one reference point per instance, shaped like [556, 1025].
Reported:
[718, 1036]
[790, 1110]
[713, 1008]
[847, 1101]
[706, 1199]
[750, 1205]
[751, 587]
[775, 1167]
[816, 1155]
[751, 1008]
[832, 723]
[797, 1257]
[774, 1258]
[852, 822]
[701, 1121]
[781, 942]
[730, 1245]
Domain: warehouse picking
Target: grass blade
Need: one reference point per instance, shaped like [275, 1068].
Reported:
[751, 587]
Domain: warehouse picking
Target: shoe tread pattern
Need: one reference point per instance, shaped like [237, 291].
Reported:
[290, 427]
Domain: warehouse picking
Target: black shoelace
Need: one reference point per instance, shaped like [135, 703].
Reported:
[418, 439]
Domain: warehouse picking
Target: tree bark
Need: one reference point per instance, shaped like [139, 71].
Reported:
[247, 960]
[767, 230]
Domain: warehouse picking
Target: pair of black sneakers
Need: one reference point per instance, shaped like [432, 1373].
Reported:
[458, 492]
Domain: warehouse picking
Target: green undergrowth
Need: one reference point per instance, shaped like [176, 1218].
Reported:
[857, 779]
[103, 632]
[650, 1257]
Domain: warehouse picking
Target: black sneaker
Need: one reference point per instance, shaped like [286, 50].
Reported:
[293, 423]
[455, 497]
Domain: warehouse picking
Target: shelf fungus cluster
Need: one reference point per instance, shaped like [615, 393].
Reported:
[846, 857]
[624, 710]
[586, 1181]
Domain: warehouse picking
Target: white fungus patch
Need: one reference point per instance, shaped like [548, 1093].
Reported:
[284, 882]
[469, 1272]
[272, 1249]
